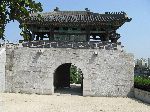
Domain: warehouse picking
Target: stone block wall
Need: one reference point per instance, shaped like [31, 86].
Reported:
[105, 72]
[27, 72]
[111, 73]
[2, 68]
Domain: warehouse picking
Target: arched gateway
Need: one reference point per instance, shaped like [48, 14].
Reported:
[68, 79]
[62, 76]
[84, 38]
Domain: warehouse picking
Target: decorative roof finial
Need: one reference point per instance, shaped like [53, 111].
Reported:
[87, 9]
[56, 9]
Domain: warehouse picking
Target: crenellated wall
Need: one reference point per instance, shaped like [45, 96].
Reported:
[105, 72]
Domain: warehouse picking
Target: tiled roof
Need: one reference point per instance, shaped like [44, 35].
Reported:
[77, 17]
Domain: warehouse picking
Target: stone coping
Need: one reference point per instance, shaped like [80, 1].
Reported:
[74, 45]
[142, 95]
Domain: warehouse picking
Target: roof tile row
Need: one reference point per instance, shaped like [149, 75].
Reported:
[78, 16]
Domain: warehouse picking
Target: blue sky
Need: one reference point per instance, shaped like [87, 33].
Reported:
[135, 35]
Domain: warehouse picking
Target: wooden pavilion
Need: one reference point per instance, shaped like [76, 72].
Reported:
[75, 25]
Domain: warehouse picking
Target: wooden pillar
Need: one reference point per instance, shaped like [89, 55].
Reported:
[33, 36]
[107, 36]
[41, 38]
[51, 34]
[37, 37]
[94, 37]
[48, 35]
[87, 34]
[114, 37]
[101, 36]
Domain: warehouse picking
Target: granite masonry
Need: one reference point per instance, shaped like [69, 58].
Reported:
[31, 70]
[2, 68]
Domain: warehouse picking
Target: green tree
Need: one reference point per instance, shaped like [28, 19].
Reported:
[16, 10]
[75, 75]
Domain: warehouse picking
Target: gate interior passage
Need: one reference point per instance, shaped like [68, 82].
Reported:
[62, 76]
[63, 80]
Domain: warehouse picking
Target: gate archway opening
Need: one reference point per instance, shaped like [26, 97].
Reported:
[68, 79]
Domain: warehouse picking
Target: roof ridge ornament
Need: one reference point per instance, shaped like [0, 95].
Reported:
[56, 9]
[86, 9]
[117, 13]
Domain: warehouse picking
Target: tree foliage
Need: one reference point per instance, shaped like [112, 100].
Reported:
[16, 10]
[75, 75]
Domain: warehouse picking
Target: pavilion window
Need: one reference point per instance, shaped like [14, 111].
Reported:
[74, 28]
[56, 28]
[82, 29]
[65, 28]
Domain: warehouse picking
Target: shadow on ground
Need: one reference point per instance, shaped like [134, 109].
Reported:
[139, 101]
[75, 89]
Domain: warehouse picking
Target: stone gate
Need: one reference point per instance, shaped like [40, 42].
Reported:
[85, 39]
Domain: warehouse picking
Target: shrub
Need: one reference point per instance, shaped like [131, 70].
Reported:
[142, 82]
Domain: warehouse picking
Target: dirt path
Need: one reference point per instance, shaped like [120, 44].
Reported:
[68, 103]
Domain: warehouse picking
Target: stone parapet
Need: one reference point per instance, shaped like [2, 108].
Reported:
[142, 95]
[74, 45]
